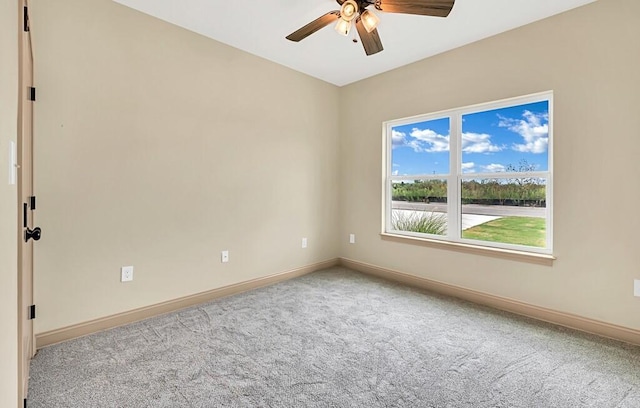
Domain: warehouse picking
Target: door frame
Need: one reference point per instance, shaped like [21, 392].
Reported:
[26, 337]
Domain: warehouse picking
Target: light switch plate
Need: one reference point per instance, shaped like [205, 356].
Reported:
[224, 256]
[304, 242]
[352, 238]
[636, 287]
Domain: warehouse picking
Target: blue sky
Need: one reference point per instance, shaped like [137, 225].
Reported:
[491, 141]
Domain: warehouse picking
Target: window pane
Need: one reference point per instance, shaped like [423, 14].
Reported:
[507, 139]
[420, 148]
[510, 211]
[419, 206]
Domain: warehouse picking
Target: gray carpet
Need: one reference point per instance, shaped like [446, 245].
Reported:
[336, 338]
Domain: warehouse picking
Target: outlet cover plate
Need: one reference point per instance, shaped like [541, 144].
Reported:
[636, 287]
[126, 274]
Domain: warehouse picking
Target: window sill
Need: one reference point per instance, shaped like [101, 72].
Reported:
[521, 256]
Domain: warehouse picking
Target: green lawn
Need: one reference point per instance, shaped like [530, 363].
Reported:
[528, 231]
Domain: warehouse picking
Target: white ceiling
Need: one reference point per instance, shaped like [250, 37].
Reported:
[260, 27]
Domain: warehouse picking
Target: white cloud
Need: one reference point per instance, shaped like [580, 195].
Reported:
[533, 128]
[396, 165]
[427, 140]
[494, 168]
[397, 138]
[468, 167]
[395, 172]
[478, 143]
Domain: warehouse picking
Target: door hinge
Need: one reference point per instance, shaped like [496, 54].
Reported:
[25, 403]
[32, 93]
[24, 215]
[32, 312]
[32, 202]
[25, 18]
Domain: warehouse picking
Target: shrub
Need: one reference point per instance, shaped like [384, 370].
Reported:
[426, 223]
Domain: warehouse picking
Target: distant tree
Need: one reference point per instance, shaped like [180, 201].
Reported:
[524, 188]
[523, 167]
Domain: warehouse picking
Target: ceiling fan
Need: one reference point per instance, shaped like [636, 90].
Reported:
[366, 21]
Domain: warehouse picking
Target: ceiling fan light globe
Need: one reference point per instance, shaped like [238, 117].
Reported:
[349, 10]
[369, 20]
[343, 27]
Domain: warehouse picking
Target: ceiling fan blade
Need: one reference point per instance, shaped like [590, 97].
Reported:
[314, 26]
[437, 8]
[370, 41]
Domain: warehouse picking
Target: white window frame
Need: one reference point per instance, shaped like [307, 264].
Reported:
[455, 176]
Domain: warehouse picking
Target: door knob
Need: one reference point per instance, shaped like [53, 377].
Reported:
[35, 233]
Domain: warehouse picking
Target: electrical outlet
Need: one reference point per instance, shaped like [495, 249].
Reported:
[352, 238]
[304, 242]
[126, 274]
[636, 287]
[224, 256]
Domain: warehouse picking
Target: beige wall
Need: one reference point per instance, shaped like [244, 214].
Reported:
[158, 148]
[590, 58]
[8, 200]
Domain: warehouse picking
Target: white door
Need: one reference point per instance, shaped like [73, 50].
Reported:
[26, 94]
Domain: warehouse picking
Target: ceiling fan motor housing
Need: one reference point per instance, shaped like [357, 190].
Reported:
[366, 21]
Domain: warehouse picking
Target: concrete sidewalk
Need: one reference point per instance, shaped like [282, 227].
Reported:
[471, 220]
[497, 210]
[468, 220]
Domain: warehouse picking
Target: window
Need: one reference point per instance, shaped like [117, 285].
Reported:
[479, 175]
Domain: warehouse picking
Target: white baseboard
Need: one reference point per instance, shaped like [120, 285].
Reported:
[548, 315]
[82, 329]
[592, 326]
